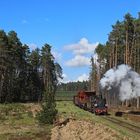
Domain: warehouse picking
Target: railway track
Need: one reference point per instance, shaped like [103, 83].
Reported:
[130, 127]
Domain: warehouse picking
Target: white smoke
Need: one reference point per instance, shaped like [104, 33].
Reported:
[123, 77]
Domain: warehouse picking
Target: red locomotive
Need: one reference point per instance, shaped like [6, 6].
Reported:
[88, 100]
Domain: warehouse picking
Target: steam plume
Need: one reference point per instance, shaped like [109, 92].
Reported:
[124, 78]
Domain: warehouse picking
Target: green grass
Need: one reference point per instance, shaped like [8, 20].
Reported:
[67, 109]
[65, 95]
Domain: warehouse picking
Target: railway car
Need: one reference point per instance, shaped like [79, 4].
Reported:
[88, 100]
[83, 99]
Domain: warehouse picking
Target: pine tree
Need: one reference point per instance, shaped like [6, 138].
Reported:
[48, 113]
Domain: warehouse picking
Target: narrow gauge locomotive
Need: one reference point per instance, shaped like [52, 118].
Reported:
[88, 100]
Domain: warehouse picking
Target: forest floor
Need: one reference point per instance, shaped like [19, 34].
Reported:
[18, 122]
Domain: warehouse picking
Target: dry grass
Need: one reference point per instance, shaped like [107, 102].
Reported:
[18, 122]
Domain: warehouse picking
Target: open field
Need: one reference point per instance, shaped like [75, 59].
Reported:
[65, 95]
[18, 122]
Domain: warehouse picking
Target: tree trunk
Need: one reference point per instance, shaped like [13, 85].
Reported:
[126, 49]
[138, 102]
[116, 53]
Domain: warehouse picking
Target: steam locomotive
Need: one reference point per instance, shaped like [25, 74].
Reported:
[88, 100]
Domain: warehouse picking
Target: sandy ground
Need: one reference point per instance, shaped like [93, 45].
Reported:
[83, 130]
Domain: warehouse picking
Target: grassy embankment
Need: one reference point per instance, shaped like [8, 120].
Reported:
[68, 109]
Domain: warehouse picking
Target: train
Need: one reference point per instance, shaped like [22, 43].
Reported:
[89, 100]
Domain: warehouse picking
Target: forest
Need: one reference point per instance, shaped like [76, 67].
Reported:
[73, 86]
[24, 74]
[122, 47]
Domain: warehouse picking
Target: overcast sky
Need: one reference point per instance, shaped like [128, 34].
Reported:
[73, 27]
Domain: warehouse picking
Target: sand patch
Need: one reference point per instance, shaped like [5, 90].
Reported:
[83, 130]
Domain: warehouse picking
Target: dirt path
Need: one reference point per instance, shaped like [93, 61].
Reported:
[83, 130]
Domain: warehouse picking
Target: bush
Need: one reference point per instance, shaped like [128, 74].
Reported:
[47, 115]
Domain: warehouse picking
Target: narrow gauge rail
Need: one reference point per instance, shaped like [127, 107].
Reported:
[131, 127]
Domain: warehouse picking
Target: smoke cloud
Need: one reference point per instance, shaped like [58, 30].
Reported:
[123, 78]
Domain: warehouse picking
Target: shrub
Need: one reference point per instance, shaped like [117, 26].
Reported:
[48, 113]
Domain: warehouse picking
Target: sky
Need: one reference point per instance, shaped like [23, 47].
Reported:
[72, 27]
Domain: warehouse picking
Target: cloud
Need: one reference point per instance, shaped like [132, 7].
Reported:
[83, 77]
[78, 61]
[82, 51]
[32, 46]
[82, 47]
